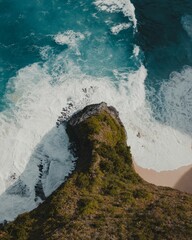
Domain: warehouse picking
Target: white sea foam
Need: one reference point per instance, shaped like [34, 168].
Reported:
[46, 52]
[69, 38]
[176, 96]
[124, 6]
[118, 28]
[136, 51]
[187, 24]
[29, 137]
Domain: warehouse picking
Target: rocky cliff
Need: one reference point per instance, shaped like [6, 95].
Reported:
[104, 198]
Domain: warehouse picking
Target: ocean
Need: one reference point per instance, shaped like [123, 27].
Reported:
[135, 55]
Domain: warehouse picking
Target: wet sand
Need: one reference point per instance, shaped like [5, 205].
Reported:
[180, 178]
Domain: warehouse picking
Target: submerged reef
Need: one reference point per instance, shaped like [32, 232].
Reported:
[104, 198]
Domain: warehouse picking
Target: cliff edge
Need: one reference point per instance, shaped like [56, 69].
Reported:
[104, 198]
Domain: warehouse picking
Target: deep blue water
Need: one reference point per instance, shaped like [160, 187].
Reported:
[163, 35]
[58, 54]
[26, 27]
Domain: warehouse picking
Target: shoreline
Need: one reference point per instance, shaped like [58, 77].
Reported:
[179, 179]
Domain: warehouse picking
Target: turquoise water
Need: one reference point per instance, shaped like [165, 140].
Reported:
[54, 54]
[136, 56]
[26, 27]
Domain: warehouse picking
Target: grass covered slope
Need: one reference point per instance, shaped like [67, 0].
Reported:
[104, 198]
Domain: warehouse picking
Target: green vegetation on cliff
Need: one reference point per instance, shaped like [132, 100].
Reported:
[104, 198]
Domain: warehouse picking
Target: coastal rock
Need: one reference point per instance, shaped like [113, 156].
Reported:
[92, 110]
[91, 127]
[104, 198]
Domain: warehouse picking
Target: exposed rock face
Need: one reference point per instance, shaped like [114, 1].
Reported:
[93, 110]
[104, 198]
[86, 132]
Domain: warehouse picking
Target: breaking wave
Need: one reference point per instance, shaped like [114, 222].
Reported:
[77, 68]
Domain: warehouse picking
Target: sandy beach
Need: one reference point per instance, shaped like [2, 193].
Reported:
[180, 178]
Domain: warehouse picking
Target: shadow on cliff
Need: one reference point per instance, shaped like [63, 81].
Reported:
[48, 166]
[184, 183]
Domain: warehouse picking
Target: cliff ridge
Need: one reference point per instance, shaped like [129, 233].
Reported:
[104, 198]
